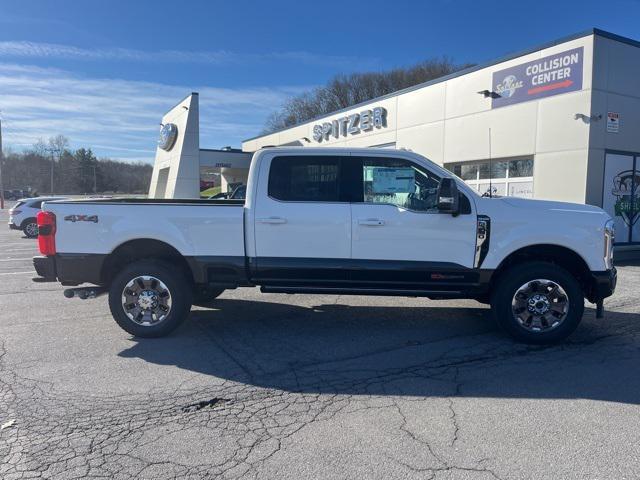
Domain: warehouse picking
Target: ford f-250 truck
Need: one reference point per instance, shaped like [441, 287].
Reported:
[343, 221]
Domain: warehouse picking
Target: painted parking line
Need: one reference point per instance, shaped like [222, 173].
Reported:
[31, 272]
[15, 259]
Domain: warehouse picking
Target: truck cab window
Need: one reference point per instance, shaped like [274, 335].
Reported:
[399, 182]
[305, 179]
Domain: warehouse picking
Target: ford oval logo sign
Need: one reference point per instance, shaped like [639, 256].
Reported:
[168, 135]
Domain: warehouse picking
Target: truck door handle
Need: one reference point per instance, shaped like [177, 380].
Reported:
[371, 222]
[273, 220]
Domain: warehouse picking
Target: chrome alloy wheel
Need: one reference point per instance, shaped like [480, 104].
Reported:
[540, 305]
[146, 300]
[31, 229]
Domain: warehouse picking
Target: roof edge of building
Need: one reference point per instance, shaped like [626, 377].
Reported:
[505, 58]
[231, 150]
[183, 99]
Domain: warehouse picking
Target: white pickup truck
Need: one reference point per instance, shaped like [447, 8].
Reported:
[343, 221]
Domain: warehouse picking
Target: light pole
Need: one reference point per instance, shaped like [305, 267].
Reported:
[1, 158]
[51, 151]
[51, 172]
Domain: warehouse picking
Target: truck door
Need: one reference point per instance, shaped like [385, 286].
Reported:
[302, 221]
[400, 240]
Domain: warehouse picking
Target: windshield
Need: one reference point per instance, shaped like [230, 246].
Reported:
[475, 192]
[453, 175]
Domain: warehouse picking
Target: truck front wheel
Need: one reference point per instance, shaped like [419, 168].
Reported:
[149, 298]
[538, 302]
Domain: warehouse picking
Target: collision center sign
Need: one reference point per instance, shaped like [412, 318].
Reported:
[552, 75]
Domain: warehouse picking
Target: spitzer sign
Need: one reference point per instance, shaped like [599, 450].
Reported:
[544, 77]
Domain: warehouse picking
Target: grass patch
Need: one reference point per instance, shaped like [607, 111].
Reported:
[210, 191]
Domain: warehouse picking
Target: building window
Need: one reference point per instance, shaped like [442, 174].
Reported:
[512, 178]
[305, 179]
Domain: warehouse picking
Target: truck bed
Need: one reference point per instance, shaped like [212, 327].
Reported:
[193, 227]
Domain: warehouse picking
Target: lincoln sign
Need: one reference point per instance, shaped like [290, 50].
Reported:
[355, 123]
[547, 76]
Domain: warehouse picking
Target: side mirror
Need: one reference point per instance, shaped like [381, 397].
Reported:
[448, 198]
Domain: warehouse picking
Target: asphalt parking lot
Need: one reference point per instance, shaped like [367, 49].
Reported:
[297, 387]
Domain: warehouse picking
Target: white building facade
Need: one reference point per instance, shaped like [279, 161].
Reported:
[558, 122]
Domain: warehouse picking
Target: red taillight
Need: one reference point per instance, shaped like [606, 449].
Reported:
[46, 233]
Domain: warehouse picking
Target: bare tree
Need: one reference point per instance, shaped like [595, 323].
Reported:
[343, 91]
[58, 145]
[39, 148]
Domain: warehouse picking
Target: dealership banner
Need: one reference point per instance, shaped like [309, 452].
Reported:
[552, 75]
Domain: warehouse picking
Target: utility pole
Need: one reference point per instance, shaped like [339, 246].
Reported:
[1, 159]
[52, 172]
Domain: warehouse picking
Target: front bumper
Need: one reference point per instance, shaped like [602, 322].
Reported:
[13, 226]
[45, 268]
[603, 284]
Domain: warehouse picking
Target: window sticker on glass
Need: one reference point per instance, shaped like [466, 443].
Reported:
[393, 180]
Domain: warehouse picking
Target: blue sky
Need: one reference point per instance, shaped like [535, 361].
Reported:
[103, 72]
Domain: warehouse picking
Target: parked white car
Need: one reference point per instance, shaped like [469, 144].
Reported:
[23, 214]
[342, 221]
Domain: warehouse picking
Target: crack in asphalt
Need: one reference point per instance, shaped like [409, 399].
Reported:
[453, 417]
[212, 403]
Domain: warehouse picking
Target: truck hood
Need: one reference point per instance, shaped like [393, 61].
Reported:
[527, 203]
[525, 206]
[564, 216]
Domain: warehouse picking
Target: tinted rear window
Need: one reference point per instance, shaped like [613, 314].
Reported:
[305, 179]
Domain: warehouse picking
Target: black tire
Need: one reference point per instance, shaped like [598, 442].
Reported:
[205, 300]
[176, 284]
[30, 228]
[518, 275]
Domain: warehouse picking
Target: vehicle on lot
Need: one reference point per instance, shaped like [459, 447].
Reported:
[219, 196]
[343, 221]
[23, 214]
[238, 193]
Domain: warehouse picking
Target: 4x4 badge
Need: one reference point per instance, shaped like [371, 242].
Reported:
[81, 218]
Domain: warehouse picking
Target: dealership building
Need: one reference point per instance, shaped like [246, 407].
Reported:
[559, 121]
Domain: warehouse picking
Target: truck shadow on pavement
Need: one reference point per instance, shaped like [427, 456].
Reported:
[409, 351]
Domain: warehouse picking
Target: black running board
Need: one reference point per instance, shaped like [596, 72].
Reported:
[435, 294]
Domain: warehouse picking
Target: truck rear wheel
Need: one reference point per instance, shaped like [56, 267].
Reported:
[149, 298]
[538, 302]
